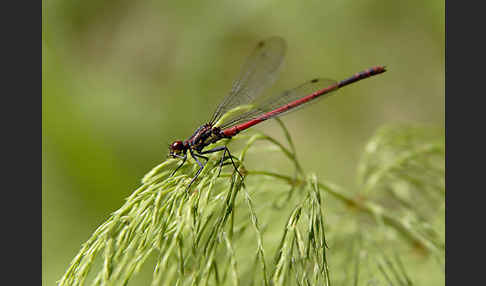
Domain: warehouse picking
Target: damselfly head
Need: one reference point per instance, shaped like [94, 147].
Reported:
[176, 148]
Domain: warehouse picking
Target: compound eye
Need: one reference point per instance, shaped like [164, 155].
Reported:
[177, 145]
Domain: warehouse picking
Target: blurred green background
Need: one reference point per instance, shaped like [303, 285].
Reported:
[123, 79]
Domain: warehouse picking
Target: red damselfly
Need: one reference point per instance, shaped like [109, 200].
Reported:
[259, 71]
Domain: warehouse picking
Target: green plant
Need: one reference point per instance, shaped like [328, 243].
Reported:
[274, 228]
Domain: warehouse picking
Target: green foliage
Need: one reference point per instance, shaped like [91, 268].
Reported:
[274, 229]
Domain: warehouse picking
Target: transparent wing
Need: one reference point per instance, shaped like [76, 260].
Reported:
[279, 100]
[259, 71]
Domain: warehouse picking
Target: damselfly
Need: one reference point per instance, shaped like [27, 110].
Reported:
[259, 71]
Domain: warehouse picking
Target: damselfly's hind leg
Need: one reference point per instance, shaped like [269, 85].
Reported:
[201, 165]
[225, 150]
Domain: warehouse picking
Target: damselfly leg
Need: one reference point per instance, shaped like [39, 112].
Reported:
[197, 155]
[225, 150]
[178, 167]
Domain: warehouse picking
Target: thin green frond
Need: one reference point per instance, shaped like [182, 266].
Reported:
[275, 229]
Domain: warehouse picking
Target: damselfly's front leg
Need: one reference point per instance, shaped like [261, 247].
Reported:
[201, 166]
[183, 161]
